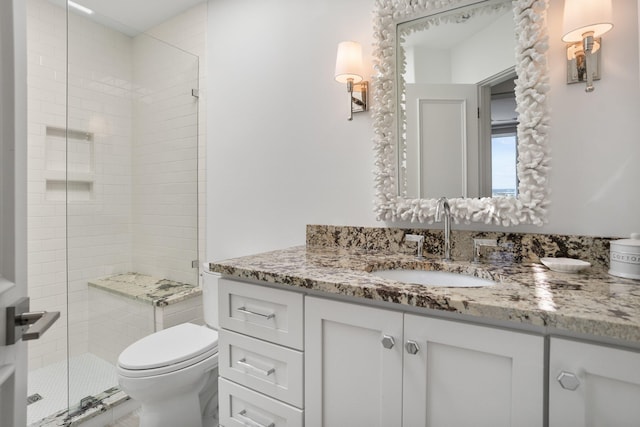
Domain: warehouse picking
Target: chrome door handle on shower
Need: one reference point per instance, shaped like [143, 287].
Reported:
[21, 323]
[253, 313]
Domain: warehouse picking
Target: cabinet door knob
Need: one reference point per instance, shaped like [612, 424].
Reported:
[568, 381]
[388, 341]
[412, 347]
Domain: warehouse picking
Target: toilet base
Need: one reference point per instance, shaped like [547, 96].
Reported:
[184, 408]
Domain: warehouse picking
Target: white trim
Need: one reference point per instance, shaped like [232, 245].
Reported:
[531, 90]
[5, 285]
[6, 371]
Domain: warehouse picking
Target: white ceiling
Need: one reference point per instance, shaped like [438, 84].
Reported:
[133, 16]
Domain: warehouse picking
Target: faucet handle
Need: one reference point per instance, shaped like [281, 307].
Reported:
[416, 238]
[478, 244]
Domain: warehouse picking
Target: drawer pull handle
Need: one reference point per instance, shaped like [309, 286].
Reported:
[253, 423]
[253, 313]
[243, 362]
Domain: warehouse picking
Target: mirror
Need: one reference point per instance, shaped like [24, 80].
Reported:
[447, 65]
[438, 62]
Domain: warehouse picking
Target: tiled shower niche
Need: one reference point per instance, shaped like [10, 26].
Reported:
[69, 164]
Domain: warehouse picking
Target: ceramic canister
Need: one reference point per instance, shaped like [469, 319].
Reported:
[624, 257]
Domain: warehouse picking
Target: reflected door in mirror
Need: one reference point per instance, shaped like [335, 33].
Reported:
[442, 148]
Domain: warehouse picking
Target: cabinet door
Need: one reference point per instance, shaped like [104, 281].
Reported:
[592, 385]
[459, 374]
[353, 365]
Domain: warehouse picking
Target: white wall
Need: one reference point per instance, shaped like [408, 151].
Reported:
[496, 41]
[594, 136]
[282, 155]
[430, 66]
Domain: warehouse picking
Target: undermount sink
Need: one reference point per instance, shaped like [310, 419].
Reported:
[434, 278]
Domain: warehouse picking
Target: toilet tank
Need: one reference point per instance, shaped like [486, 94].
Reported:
[210, 296]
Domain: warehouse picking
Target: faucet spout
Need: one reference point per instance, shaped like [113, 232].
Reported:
[442, 206]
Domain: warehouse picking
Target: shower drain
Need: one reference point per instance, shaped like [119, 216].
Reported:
[33, 398]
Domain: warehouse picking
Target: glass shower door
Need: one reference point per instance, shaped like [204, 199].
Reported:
[113, 195]
[132, 194]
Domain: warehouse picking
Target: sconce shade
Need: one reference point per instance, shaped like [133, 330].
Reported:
[584, 16]
[349, 62]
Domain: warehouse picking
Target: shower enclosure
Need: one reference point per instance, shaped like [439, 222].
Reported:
[113, 195]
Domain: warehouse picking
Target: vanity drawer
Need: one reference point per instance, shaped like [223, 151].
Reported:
[268, 368]
[240, 407]
[270, 314]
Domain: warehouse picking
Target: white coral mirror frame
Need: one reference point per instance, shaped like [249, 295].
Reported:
[530, 205]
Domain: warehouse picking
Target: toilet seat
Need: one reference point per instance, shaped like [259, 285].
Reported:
[168, 350]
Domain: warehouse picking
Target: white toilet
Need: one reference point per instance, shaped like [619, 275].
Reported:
[173, 373]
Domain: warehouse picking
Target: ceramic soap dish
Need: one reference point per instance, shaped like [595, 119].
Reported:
[565, 265]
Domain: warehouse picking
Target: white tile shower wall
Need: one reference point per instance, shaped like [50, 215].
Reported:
[189, 310]
[99, 226]
[99, 229]
[188, 31]
[165, 156]
[116, 322]
[46, 220]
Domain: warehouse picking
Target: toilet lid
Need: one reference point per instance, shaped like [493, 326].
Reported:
[168, 347]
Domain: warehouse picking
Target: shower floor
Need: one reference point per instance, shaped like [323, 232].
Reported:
[90, 375]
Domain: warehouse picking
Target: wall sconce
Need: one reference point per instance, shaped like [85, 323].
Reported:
[349, 71]
[584, 22]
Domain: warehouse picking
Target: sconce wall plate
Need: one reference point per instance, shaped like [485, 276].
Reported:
[584, 21]
[576, 68]
[359, 97]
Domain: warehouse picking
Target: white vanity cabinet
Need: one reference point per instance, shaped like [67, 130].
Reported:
[260, 356]
[353, 365]
[458, 374]
[288, 359]
[377, 367]
[592, 385]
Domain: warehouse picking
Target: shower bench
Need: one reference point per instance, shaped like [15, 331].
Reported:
[126, 307]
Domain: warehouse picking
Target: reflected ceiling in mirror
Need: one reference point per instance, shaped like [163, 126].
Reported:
[399, 26]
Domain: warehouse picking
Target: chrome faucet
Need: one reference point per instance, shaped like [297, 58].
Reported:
[443, 205]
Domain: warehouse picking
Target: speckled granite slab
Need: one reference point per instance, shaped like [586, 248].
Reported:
[147, 289]
[105, 401]
[591, 302]
[516, 247]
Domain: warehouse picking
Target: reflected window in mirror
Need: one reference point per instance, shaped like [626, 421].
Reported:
[504, 141]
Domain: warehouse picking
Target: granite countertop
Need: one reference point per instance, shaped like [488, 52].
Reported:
[591, 302]
[147, 289]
